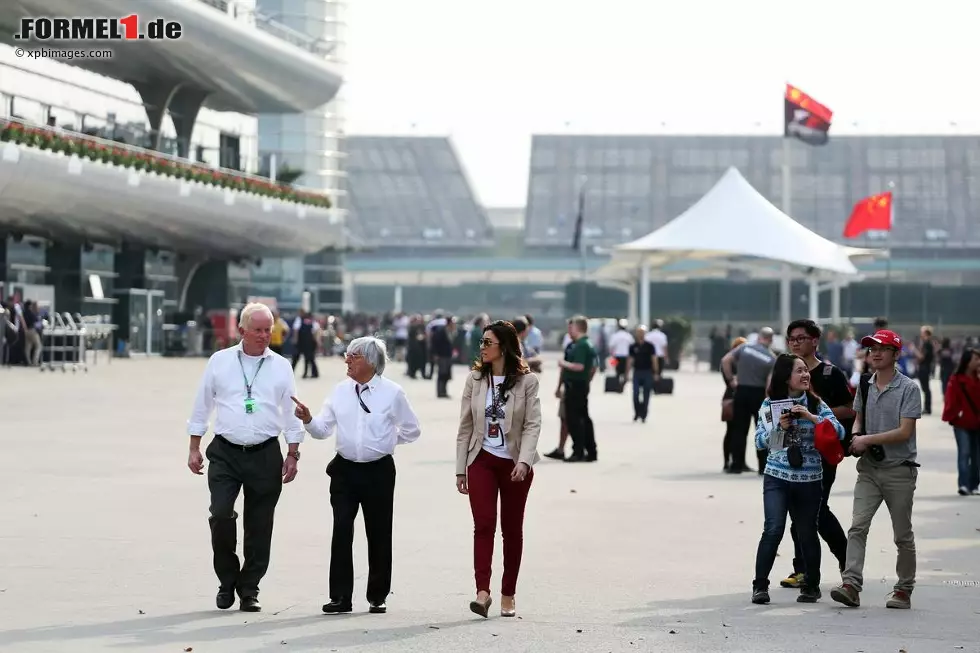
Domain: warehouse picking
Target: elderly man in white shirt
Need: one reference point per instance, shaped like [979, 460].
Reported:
[371, 415]
[251, 389]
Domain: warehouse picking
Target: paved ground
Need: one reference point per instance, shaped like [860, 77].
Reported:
[104, 537]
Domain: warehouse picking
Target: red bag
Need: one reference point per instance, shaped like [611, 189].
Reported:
[826, 442]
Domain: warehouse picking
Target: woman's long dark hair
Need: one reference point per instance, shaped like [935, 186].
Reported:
[968, 353]
[510, 348]
[779, 382]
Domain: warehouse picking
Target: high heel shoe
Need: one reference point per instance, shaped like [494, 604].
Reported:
[508, 611]
[481, 608]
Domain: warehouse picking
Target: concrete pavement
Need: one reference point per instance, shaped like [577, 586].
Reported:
[105, 543]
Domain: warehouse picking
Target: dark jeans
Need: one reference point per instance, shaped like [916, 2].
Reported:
[370, 486]
[642, 388]
[802, 502]
[827, 526]
[747, 401]
[259, 472]
[967, 458]
[580, 427]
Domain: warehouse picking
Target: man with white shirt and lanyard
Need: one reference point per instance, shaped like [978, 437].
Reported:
[371, 415]
[251, 389]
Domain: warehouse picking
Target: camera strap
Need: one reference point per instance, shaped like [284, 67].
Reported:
[863, 385]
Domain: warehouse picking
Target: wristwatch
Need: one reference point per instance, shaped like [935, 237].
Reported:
[294, 454]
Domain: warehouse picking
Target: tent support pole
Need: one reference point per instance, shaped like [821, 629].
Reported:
[645, 293]
[814, 299]
[632, 315]
[835, 302]
[785, 298]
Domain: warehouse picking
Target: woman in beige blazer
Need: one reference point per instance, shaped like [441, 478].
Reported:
[496, 447]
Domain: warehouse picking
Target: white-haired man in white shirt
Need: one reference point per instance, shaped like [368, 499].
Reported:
[371, 415]
[251, 389]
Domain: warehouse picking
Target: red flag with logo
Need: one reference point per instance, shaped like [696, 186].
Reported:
[870, 214]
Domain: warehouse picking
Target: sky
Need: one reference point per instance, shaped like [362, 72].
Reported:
[491, 74]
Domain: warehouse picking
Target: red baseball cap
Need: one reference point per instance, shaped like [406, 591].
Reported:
[825, 441]
[883, 337]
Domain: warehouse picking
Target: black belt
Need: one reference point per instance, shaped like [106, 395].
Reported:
[248, 448]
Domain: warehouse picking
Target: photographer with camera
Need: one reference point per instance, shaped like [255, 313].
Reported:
[792, 480]
[887, 406]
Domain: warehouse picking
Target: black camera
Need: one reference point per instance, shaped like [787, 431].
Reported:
[877, 452]
[795, 456]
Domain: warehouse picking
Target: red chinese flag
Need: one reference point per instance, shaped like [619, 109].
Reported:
[870, 214]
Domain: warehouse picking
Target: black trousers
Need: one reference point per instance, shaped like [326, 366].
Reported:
[621, 370]
[444, 374]
[370, 486]
[828, 526]
[747, 402]
[580, 427]
[924, 374]
[259, 472]
[308, 352]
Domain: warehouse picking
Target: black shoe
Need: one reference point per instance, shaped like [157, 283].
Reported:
[250, 604]
[591, 459]
[378, 608]
[760, 596]
[809, 595]
[337, 607]
[225, 598]
[557, 454]
[575, 458]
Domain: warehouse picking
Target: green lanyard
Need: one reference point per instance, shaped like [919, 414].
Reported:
[248, 385]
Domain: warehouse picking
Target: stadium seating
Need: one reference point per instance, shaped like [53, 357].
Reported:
[412, 192]
[635, 184]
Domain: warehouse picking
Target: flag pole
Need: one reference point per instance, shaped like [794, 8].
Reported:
[888, 253]
[785, 281]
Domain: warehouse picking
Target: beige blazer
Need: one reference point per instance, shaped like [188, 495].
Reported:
[522, 421]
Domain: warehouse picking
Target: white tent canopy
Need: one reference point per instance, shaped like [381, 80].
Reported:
[734, 220]
[733, 227]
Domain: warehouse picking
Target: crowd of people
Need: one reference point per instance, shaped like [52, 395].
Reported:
[810, 416]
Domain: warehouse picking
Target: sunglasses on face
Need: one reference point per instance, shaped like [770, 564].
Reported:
[486, 342]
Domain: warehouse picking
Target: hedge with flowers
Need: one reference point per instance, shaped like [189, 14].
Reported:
[81, 146]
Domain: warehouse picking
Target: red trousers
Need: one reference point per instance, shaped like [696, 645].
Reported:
[487, 477]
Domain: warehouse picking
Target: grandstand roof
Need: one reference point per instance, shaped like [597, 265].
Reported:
[408, 191]
[636, 184]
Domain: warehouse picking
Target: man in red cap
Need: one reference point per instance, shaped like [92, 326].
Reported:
[887, 406]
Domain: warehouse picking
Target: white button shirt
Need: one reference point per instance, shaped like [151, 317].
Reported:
[223, 390]
[361, 436]
[620, 342]
[658, 339]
